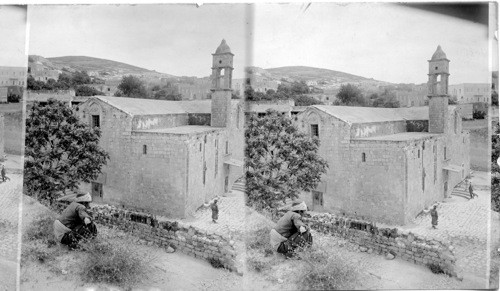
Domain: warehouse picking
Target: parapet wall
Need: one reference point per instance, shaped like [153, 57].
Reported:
[187, 239]
[400, 243]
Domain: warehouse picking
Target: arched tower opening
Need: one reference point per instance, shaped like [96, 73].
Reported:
[222, 75]
[438, 91]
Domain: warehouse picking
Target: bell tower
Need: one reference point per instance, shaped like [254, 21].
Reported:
[222, 72]
[438, 91]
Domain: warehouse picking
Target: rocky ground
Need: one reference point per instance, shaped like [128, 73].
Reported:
[165, 271]
[465, 223]
[10, 197]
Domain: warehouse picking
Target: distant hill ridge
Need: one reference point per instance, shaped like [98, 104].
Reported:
[95, 64]
[310, 74]
[105, 68]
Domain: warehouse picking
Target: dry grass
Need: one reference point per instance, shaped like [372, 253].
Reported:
[113, 262]
[42, 229]
[324, 271]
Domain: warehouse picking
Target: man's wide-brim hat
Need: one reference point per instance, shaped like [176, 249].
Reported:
[83, 198]
[299, 206]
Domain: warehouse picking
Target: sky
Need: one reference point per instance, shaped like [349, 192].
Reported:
[172, 39]
[374, 40]
[13, 36]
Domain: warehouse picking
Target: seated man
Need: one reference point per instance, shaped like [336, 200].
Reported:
[290, 232]
[75, 223]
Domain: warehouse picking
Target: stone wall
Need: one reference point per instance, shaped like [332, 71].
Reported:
[400, 243]
[187, 239]
[44, 96]
[262, 106]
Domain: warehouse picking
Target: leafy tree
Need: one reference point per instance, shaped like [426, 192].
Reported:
[65, 81]
[280, 160]
[303, 100]
[132, 86]
[60, 152]
[387, 99]
[34, 85]
[174, 97]
[495, 169]
[80, 78]
[350, 95]
[84, 90]
[298, 88]
[50, 84]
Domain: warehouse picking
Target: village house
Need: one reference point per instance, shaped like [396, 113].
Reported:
[40, 73]
[12, 76]
[388, 164]
[471, 93]
[169, 157]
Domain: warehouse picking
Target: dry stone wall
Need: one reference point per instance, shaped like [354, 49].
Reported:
[400, 243]
[187, 239]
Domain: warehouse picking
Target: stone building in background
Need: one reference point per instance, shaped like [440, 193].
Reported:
[466, 93]
[169, 157]
[388, 164]
[40, 73]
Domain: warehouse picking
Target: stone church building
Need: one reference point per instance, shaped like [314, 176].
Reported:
[388, 164]
[169, 157]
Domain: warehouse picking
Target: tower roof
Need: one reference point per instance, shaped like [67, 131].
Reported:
[438, 54]
[223, 48]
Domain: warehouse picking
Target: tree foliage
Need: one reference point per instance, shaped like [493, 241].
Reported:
[350, 95]
[304, 100]
[280, 160]
[85, 90]
[387, 99]
[132, 86]
[60, 152]
[495, 169]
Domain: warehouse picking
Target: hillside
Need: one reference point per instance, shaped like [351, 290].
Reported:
[323, 78]
[310, 73]
[98, 65]
[95, 66]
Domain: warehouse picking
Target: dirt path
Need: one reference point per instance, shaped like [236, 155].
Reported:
[374, 271]
[164, 272]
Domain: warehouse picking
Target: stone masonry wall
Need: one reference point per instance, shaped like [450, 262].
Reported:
[187, 239]
[400, 243]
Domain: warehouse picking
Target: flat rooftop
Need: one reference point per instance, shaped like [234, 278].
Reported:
[183, 130]
[399, 137]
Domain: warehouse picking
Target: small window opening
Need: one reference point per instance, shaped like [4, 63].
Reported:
[363, 157]
[419, 154]
[445, 153]
[144, 149]
[227, 147]
[96, 121]
[314, 130]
